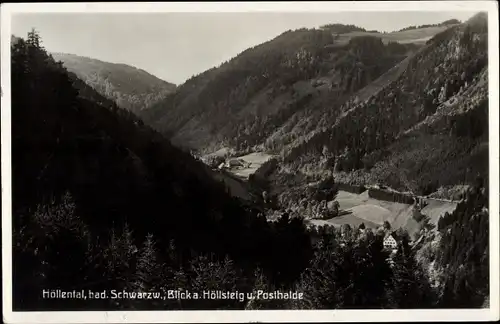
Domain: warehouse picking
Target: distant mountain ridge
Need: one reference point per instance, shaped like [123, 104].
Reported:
[256, 99]
[347, 28]
[239, 103]
[444, 23]
[132, 88]
[342, 28]
[425, 128]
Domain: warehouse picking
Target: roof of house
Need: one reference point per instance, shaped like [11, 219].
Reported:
[393, 234]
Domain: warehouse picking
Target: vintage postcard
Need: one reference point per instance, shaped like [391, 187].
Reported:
[244, 162]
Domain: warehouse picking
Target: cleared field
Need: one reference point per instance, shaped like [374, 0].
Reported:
[420, 35]
[372, 213]
[350, 219]
[255, 160]
[222, 152]
[374, 87]
[373, 210]
[416, 41]
[353, 220]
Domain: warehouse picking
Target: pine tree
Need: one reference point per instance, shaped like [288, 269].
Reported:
[53, 241]
[149, 272]
[323, 282]
[34, 39]
[347, 271]
[147, 267]
[206, 273]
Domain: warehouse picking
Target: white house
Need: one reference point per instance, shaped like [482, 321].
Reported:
[390, 242]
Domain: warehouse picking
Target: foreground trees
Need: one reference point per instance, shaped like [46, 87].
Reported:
[102, 202]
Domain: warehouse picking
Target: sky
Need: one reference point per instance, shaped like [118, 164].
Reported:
[176, 46]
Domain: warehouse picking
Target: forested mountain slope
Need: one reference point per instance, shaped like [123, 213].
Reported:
[346, 101]
[444, 23]
[131, 88]
[457, 256]
[424, 129]
[101, 201]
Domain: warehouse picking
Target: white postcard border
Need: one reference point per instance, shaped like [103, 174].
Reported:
[7, 10]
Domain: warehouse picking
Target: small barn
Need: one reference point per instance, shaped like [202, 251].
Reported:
[234, 163]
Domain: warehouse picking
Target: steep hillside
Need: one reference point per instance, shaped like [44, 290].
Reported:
[114, 165]
[424, 128]
[96, 194]
[457, 256]
[101, 201]
[131, 88]
[244, 101]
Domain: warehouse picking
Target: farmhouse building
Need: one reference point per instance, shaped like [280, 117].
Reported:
[390, 242]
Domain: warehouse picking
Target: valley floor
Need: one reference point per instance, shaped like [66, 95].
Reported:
[373, 213]
[358, 208]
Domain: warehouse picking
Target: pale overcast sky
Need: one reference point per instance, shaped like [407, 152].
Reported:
[175, 46]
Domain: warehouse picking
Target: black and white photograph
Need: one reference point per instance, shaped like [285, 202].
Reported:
[295, 162]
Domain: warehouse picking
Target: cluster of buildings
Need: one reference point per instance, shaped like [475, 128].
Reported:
[233, 164]
[391, 241]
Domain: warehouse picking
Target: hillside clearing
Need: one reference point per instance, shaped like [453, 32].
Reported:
[373, 213]
[254, 161]
[373, 210]
[436, 208]
[378, 84]
[419, 35]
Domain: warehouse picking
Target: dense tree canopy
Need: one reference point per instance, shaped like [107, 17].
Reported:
[102, 201]
[74, 150]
